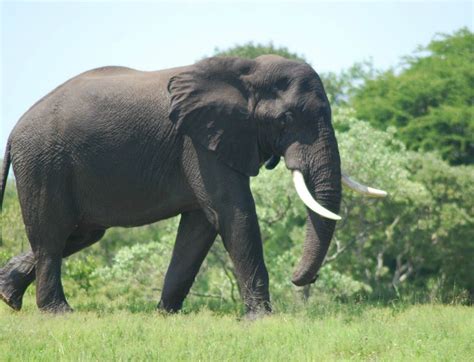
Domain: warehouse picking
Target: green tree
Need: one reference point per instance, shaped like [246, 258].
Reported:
[429, 99]
[340, 86]
[420, 238]
[251, 51]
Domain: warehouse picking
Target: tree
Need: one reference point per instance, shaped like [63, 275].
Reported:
[429, 99]
[420, 238]
[340, 86]
[252, 51]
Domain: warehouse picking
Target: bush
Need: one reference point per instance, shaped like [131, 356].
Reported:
[415, 243]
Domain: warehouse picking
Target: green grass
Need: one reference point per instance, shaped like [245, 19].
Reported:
[424, 332]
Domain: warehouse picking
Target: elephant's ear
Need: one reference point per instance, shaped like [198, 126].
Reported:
[209, 103]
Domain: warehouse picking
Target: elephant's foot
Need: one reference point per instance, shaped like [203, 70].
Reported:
[253, 316]
[15, 277]
[12, 297]
[168, 307]
[258, 310]
[59, 307]
[52, 300]
[12, 288]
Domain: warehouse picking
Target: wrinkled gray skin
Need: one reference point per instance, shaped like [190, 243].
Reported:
[120, 147]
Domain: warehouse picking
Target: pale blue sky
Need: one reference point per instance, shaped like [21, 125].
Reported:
[44, 44]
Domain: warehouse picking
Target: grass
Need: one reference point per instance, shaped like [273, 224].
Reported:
[423, 332]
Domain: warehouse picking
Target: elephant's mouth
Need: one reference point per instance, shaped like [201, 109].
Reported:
[272, 162]
[307, 198]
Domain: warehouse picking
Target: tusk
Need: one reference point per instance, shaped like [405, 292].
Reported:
[308, 200]
[354, 185]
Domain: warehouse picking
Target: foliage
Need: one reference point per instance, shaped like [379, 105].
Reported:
[335, 332]
[341, 86]
[430, 99]
[422, 232]
[251, 51]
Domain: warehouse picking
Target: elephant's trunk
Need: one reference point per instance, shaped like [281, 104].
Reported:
[318, 237]
[320, 166]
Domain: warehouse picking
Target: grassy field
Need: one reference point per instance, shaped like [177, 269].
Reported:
[425, 332]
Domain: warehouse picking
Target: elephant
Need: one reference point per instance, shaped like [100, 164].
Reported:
[115, 146]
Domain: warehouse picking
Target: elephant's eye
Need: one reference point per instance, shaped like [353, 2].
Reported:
[281, 84]
[306, 86]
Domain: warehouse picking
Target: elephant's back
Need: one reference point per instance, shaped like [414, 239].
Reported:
[97, 93]
[107, 101]
[103, 122]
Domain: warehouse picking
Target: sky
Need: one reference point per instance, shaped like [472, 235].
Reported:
[45, 43]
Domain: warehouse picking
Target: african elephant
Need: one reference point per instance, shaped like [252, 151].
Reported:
[116, 146]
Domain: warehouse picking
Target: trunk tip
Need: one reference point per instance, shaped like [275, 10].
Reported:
[302, 280]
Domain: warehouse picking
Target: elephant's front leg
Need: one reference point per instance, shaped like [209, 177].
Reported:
[241, 235]
[227, 201]
[195, 237]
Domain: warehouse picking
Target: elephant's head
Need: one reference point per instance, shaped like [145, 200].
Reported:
[248, 111]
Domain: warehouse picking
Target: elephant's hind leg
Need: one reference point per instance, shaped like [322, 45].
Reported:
[195, 237]
[49, 290]
[19, 272]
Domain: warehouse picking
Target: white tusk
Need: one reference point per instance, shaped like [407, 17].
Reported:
[305, 195]
[354, 185]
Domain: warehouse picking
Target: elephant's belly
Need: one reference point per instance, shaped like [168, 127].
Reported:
[139, 211]
[133, 201]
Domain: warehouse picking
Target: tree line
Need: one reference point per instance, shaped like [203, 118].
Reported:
[408, 129]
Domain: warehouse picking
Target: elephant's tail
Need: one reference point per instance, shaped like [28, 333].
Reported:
[3, 178]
